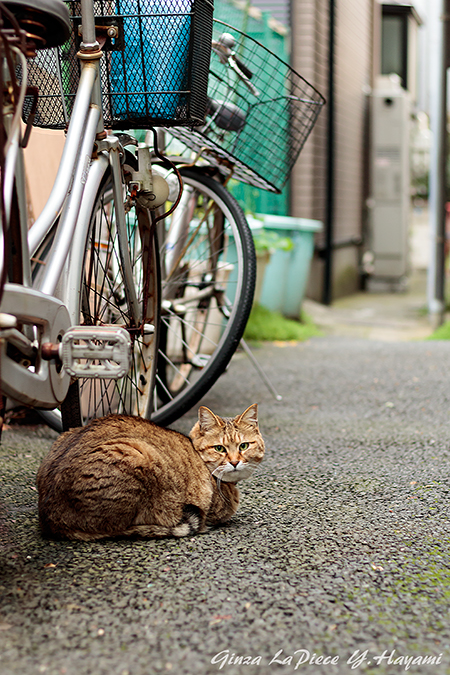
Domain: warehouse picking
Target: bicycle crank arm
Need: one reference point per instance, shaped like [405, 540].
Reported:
[29, 319]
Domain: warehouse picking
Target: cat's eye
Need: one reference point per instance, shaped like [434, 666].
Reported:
[243, 446]
[219, 448]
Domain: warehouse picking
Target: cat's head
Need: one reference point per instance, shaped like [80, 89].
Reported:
[231, 448]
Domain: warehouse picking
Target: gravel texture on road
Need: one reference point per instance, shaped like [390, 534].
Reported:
[337, 560]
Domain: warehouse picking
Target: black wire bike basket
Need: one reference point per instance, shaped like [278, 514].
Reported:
[256, 124]
[154, 69]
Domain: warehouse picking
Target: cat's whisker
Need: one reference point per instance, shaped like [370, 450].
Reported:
[219, 483]
[224, 497]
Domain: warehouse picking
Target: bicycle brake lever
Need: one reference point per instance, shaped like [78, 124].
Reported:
[222, 51]
[234, 65]
[241, 65]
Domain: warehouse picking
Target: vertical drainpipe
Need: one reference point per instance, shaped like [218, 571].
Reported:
[327, 290]
[438, 115]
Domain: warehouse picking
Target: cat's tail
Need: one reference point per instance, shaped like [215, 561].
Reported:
[191, 523]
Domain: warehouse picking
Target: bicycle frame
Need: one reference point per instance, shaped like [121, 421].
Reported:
[49, 309]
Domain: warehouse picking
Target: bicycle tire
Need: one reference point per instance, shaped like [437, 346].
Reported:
[220, 257]
[103, 301]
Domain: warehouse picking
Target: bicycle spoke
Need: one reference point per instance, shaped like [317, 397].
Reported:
[192, 327]
[207, 264]
[173, 365]
[104, 301]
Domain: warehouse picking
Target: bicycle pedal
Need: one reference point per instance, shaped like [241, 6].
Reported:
[96, 351]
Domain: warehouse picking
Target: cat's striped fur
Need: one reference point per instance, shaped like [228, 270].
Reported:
[125, 476]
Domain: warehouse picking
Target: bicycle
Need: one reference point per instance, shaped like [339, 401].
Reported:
[195, 372]
[86, 305]
[254, 99]
[184, 368]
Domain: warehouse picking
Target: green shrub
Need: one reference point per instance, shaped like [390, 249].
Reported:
[266, 325]
[266, 240]
[441, 333]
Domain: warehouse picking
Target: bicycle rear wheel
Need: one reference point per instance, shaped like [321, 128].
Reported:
[104, 302]
[208, 270]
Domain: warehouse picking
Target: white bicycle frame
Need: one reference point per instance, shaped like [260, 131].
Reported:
[50, 309]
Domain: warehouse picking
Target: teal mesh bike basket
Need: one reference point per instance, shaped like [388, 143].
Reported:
[154, 69]
[260, 111]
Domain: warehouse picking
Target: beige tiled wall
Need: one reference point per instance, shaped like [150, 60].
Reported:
[309, 58]
[353, 77]
[353, 74]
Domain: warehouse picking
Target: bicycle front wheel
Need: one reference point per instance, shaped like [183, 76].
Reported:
[103, 301]
[208, 272]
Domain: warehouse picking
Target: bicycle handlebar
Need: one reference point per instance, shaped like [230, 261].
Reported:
[241, 65]
[223, 47]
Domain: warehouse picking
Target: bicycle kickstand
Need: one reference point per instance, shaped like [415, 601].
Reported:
[260, 371]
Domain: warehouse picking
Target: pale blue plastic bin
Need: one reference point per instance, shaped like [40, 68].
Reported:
[286, 275]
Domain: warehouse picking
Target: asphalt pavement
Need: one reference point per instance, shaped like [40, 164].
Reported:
[336, 562]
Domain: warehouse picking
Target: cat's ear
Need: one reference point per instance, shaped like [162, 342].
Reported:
[249, 416]
[208, 420]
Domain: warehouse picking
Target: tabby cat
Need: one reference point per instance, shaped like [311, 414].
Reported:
[124, 476]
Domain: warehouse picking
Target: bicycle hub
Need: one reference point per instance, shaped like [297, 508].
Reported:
[151, 189]
[152, 199]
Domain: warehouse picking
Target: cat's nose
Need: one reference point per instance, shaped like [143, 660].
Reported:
[235, 463]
